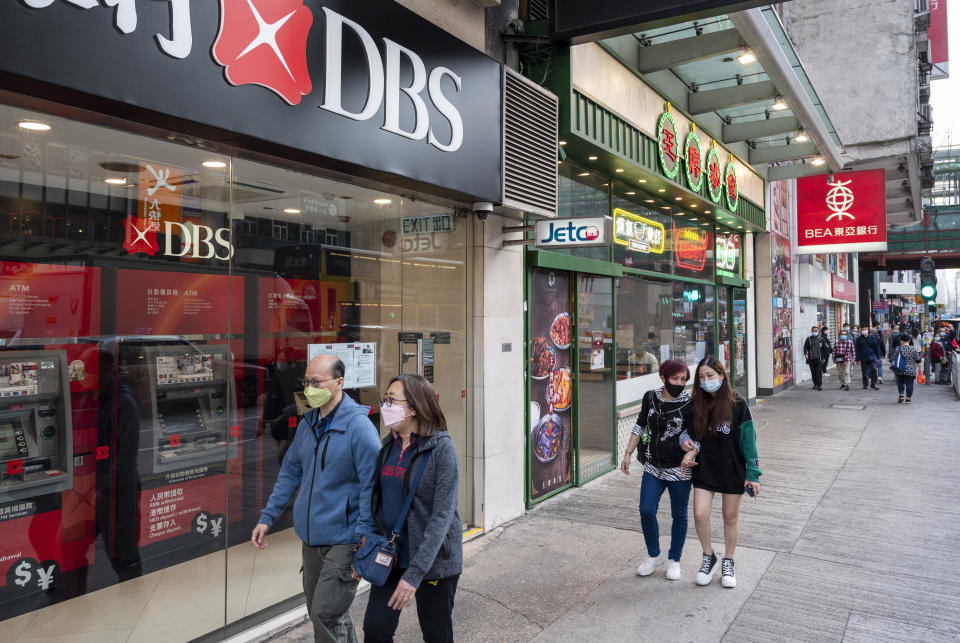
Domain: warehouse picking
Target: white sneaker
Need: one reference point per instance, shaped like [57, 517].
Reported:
[728, 578]
[646, 567]
[673, 570]
[707, 569]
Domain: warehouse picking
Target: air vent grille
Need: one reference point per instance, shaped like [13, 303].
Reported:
[530, 146]
[536, 9]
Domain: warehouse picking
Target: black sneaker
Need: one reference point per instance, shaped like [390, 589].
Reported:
[728, 578]
[707, 569]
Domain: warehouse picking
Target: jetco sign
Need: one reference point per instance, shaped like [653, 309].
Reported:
[573, 233]
[398, 94]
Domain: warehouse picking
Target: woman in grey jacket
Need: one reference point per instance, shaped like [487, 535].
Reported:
[430, 545]
[906, 376]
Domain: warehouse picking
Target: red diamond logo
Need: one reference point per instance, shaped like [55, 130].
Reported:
[264, 42]
[141, 236]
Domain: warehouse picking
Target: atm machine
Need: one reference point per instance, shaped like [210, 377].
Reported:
[36, 430]
[188, 402]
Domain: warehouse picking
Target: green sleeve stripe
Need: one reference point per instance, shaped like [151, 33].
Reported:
[748, 446]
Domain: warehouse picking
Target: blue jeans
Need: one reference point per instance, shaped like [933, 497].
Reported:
[651, 488]
[905, 382]
[880, 368]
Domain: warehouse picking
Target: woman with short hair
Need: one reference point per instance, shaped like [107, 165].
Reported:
[429, 556]
[665, 416]
[725, 441]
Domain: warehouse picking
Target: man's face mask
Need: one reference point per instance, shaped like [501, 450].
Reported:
[316, 396]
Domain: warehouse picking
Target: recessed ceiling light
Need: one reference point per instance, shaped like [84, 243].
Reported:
[739, 227]
[215, 165]
[605, 184]
[706, 211]
[747, 57]
[291, 211]
[619, 170]
[679, 198]
[818, 161]
[649, 201]
[779, 104]
[559, 162]
[694, 205]
[631, 193]
[664, 207]
[801, 137]
[34, 126]
[661, 190]
[562, 142]
[641, 180]
[382, 201]
[115, 181]
[592, 157]
[584, 174]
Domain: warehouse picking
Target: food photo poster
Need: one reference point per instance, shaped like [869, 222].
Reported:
[551, 383]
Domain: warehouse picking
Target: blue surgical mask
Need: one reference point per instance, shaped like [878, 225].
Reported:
[711, 386]
[843, 335]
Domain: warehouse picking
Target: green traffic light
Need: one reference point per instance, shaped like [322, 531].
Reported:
[928, 292]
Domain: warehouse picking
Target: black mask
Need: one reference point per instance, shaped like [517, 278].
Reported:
[674, 389]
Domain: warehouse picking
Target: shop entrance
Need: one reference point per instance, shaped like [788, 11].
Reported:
[732, 335]
[596, 379]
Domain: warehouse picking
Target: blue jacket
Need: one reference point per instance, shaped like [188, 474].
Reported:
[335, 474]
[868, 348]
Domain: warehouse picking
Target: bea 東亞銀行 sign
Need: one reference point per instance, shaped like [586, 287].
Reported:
[843, 212]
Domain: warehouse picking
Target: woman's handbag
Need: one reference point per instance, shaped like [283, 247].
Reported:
[899, 363]
[375, 557]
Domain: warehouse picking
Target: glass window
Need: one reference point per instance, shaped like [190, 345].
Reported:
[582, 193]
[693, 246]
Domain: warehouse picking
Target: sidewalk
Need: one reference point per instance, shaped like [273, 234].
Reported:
[852, 539]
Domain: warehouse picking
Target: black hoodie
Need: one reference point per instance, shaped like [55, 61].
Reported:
[665, 422]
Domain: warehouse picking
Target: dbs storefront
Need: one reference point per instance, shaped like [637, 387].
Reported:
[187, 214]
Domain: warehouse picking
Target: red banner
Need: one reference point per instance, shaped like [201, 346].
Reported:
[843, 212]
[42, 300]
[844, 289]
[151, 302]
[937, 33]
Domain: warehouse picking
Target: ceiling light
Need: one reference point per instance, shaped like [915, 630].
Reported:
[679, 198]
[618, 170]
[631, 193]
[559, 162]
[562, 142]
[693, 205]
[214, 165]
[747, 57]
[739, 227]
[706, 211]
[115, 181]
[641, 180]
[592, 157]
[649, 201]
[584, 174]
[291, 211]
[382, 201]
[779, 104]
[801, 137]
[34, 126]
[818, 161]
[661, 190]
[664, 207]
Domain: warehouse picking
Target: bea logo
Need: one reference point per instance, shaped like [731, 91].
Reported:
[264, 42]
[196, 241]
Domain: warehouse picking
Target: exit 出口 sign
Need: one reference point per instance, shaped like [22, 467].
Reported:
[428, 224]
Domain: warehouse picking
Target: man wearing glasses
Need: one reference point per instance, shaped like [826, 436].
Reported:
[332, 460]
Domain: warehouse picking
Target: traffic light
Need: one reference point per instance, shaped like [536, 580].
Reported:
[928, 280]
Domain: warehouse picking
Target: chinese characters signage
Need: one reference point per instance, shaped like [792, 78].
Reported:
[668, 145]
[728, 254]
[731, 187]
[714, 180]
[843, 212]
[159, 196]
[690, 247]
[843, 288]
[637, 233]
[694, 162]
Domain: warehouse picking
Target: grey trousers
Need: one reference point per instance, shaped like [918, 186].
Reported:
[330, 588]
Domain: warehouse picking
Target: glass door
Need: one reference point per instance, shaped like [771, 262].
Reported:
[738, 327]
[723, 326]
[596, 377]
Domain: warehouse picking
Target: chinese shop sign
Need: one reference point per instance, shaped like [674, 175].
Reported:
[638, 233]
[714, 180]
[732, 189]
[694, 160]
[728, 255]
[690, 247]
[843, 288]
[843, 212]
[159, 195]
[668, 144]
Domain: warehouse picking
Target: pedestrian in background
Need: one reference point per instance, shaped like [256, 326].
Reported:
[826, 348]
[844, 355]
[867, 349]
[938, 359]
[665, 415]
[907, 372]
[725, 440]
[877, 333]
[892, 341]
[812, 353]
[430, 545]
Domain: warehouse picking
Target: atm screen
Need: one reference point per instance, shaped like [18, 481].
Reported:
[18, 378]
[8, 441]
[182, 416]
[184, 369]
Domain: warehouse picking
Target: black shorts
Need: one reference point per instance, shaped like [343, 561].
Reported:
[702, 485]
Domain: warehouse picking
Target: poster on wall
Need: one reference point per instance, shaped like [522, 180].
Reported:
[551, 382]
[782, 287]
[40, 300]
[359, 360]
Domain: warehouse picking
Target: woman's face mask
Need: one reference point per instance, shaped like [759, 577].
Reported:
[392, 414]
[711, 386]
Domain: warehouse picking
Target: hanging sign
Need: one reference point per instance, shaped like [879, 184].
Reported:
[728, 254]
[668, 144]
[573, 233]
[843, 212]
[694, 161]
[714, 180]
[637, 233]
[731, 187]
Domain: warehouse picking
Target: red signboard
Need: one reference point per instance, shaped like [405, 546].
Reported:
[690, 247]
[45, 300]
[843, 212]
[155, 303]
[844, 289]
[937, 33]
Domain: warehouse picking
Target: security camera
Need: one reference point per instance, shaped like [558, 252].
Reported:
[482, 209]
